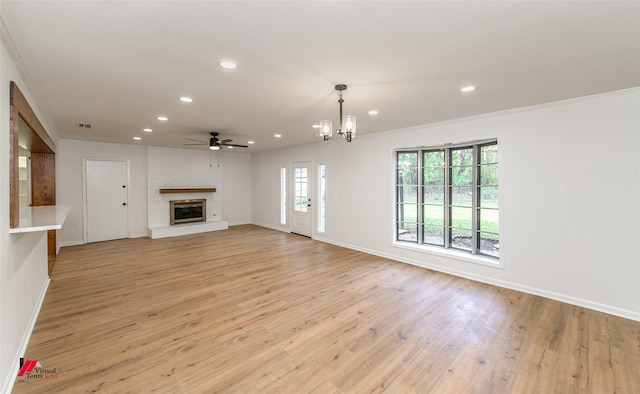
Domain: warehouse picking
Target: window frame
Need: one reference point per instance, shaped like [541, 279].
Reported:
[419, 242]
[283, 197]
[322, 199]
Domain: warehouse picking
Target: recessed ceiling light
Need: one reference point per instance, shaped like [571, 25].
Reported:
[250, 142]
[186, 99]
[227, 64]
[137, 138]
[163, 118]
[277, 135]
[373, 112]
[147, 130]
[467, 89]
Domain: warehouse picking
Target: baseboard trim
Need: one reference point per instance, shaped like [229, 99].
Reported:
[72, 243]
[238, 223]
[283, 229]
[10, 379]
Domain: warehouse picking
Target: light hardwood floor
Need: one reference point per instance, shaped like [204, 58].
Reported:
[252, 310]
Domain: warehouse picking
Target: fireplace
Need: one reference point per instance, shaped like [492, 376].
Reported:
[188, 211]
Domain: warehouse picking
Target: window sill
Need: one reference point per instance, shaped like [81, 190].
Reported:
[450, 254]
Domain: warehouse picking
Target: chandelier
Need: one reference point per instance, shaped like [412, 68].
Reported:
[347, 124]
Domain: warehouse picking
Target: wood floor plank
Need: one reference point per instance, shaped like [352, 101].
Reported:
[253, 310]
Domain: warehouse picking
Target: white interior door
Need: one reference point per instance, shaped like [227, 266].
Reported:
[107, 204]
[301, 211]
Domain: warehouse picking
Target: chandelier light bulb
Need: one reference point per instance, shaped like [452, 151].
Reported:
[350, 124]
[349, 127]
[326, 129]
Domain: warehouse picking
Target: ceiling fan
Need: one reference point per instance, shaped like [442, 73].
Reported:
[215, 143]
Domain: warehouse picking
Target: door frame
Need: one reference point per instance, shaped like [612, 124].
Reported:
[85, 217]
[311, 188]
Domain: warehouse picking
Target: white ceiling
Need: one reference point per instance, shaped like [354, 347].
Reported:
[119, 64]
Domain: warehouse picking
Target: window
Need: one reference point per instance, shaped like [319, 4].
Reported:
[322, 198]
[283, 195]
[300, 198]
[448, 196]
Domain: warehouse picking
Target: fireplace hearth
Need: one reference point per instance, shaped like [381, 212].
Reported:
[188, 211]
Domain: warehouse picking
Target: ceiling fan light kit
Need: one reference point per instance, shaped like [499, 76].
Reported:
[347, 123]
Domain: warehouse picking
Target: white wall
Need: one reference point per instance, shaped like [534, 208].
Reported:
[23, 257]
[69, 184]
[236, 187]
[569, 194]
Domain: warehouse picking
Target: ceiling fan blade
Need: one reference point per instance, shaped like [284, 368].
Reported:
[225, 141]
[236, 145]
[191, 139]
[195, 144]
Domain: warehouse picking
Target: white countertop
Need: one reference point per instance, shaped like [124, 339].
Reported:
[48, 217]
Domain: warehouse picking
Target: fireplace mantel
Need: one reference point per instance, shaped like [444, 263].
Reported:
[189, 190]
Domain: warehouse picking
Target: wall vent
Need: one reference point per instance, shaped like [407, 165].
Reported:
[84, 125]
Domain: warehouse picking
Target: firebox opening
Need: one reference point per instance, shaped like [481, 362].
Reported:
[188, 211]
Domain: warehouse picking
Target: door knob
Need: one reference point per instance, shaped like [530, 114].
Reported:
[124, 203]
